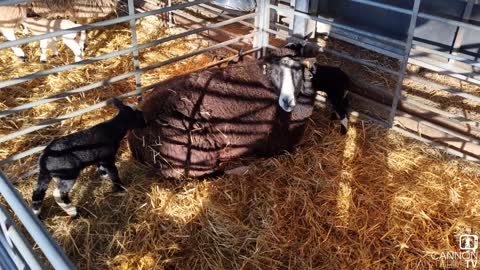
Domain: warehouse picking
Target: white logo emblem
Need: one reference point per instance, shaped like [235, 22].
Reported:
[469, 242]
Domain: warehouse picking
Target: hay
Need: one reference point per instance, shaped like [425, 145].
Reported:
[369, 200]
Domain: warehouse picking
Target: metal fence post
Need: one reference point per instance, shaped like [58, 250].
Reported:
[34, 227]
[303, 26]
[404, 62]
[262, 23]
[136, 61]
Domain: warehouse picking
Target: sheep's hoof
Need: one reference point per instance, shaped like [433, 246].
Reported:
[23, 59]
[43, 61]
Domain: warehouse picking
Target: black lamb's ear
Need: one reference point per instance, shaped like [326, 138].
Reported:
[117, 103]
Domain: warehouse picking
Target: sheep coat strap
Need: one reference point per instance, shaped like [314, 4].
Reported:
[198, 120]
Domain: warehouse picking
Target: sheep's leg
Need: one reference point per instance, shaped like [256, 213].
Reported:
[61, 196]
[9, 34]
[74, 46]
[341, 113]
[39, 191]
[43, 50]
[112, 172]
[53, 45]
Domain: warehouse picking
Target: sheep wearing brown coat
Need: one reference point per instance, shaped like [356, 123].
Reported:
[198, 120]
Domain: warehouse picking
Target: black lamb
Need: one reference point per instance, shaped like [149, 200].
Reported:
[64, 158]
[334, 82]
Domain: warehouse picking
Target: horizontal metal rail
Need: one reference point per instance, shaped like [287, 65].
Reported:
[52, 121]
[13, 2]
[336, 53]
[443, 69]
[461, 119]
[34, 227]
[420, 14]
[440, 128]
[447, 89]
[37, 149]
[118, 53]
[341, 26]
[123, 19]
[446, 55]
[435, 144]
[98, 58]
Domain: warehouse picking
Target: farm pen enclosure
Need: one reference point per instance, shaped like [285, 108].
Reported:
[372, 199]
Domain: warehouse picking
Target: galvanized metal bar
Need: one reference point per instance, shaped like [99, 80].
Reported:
[262, 21]
[215, 11]
[384, 6]
[463, 60]
[438, 86]
[120, 52]
[123, 19]
[52, 121]
[467, 12]
[420, 14]
[463, 120]
[6, 260]
[37, 149]
[444, 69]
[13, 2]
[365, 45]
[303, 26]
[440, 128]
[49, 247]
[336, 53]
[341, 26]
[435, 144]
[136, 59]
[398, 87]
[19, 242]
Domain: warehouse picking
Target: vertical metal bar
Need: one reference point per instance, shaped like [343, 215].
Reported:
[136, 61]
[304, 26]
[170, 14]
[404, 62]
[262, 23]
[461, 31]
[36, 230]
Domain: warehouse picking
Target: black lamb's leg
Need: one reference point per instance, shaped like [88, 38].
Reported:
[112, 172]
[39, 191]
[61, 196]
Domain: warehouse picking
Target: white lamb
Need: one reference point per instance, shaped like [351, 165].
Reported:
[39, 26]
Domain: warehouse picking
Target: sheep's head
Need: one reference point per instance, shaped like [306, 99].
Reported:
[287, 74]
[130, 114]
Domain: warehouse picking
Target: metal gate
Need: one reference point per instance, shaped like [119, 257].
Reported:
[455, 134]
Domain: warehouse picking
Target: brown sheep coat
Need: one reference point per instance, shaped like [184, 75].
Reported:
[200, 119]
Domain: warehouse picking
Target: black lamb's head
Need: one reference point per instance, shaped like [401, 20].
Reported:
[131, 116]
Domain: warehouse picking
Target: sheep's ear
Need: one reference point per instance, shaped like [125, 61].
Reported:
[117, 103]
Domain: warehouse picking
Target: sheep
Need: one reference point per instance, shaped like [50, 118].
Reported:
[201, 119]
[10, 18]
[334, 82]
[64, 158]
[39, 26]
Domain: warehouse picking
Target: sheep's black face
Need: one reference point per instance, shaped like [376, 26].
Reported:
[287, 77]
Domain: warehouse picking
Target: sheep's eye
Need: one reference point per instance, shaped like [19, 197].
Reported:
[284, 61]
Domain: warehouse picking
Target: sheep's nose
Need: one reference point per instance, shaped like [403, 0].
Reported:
[287, 103]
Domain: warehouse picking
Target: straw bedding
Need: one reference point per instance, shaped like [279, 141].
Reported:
[369, 200]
